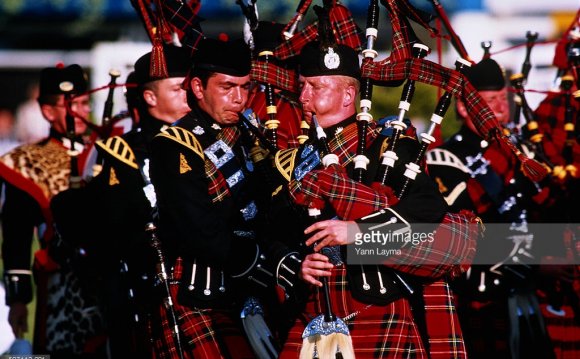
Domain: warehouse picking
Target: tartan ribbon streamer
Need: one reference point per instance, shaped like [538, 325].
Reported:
[267, 72]
[182, 17]
[400, 45]
[162, 18]
[403, 34]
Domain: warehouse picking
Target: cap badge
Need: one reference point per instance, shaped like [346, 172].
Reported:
[331, 59]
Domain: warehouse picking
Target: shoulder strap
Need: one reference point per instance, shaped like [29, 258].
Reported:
[183, 137]
[285, 161]
[442, 157]
[118, 148]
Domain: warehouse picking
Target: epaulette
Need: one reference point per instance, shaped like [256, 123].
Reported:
[183, 137]
[442, 157]
[117, 147]
[285, 161]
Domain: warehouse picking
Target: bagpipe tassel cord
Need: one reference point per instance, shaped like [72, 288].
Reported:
[158, 66]
[427, 138]
[390, 156]
[364, 117]
[326, 336]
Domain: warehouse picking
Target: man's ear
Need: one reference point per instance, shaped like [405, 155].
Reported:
[461, 110]
[150, 98]
[48, 112]
[196, 87]
[349, 96]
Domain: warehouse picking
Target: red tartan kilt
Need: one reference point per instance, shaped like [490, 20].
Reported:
[377, 331]
[206, 333]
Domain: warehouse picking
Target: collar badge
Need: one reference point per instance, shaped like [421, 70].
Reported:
[198, 130]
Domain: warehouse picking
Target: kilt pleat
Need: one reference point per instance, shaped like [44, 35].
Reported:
[377, 331]
[204, 333]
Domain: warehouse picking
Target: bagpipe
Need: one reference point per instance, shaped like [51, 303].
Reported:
[400, 66]
[316, 187]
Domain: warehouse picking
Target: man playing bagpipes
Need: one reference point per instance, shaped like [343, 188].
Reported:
[121, 201]
[374, 299]
[67, 318]
[208, 215]
[497, 304]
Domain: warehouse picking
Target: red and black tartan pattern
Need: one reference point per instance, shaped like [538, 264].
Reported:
[455, 239]
[387, 331]
[377, 331]
[344, 28]
[269, 73]
[218, 187]
[204, 333]
[430, 73]
[445, 335]
[348, 198]
[182, 16]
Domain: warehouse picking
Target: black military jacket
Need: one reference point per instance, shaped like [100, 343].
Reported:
[204, 186]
